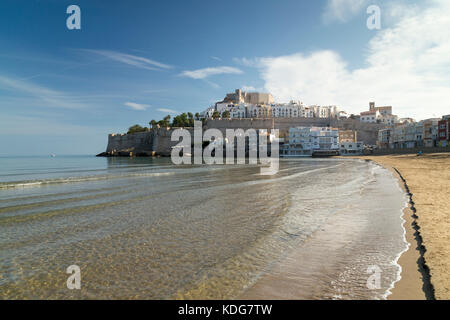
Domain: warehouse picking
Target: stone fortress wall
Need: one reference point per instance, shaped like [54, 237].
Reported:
[367, 132]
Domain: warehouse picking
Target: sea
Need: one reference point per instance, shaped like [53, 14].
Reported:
[144, 228]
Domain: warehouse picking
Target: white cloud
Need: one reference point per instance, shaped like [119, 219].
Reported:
[207, 72]
[136, 106]
[166, 110]
[216, 58]
[136, 61]
[343, 10]
[407, 66]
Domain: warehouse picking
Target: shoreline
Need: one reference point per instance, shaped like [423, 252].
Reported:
[286, 281]
[410, 284]
[425, 265]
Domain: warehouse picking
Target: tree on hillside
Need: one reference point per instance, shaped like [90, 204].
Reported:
[183, 120]
[190, 119]
[153, 123]
[137, 128]
[226, 114]
[165, 122]
[180, 120]
[197, 116]
[216, 115]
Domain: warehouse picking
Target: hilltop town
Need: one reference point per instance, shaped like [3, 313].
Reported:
[305, 130]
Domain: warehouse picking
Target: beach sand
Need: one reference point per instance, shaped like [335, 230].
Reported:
[428, 179]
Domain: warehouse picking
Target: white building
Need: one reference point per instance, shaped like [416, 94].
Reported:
[305, 141]
[410, 135]
[294, 109]
[259, 111]
[208, 113]
[327, 112]
[259, 105]
[309, 112]
[388, 119]
[238, 111]
[370, 116]
[350, 148]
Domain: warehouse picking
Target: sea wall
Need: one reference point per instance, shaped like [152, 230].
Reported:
[150, 143]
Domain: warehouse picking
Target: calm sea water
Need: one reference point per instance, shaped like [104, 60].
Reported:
[144, 228]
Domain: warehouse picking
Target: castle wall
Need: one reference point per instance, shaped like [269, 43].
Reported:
[366, 132]
[154, 142]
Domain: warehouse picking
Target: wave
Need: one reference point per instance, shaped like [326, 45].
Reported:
[35, 183]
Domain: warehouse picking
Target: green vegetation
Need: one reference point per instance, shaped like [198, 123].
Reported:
[226, 114]
[137, 128]
[181, 120]
[165, 122]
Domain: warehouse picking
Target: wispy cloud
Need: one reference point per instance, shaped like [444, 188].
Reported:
[45, 125]
[342, 10]
[129, 59]
[136, 106]
[216, 58]
[246, 62]
[207, 72]
[51, 98]
[166, 110]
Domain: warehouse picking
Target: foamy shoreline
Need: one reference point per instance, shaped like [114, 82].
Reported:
[287, 281]
[425, 265]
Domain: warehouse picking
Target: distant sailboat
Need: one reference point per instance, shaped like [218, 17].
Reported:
[53, 155]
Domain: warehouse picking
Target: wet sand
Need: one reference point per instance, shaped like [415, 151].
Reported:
[332, 263]
[428, 179]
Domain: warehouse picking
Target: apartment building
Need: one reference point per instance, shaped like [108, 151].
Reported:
[294, 109]
[350, 148]
[242, 104]
[411, 134]
[385, 138]
[259, 111]
[444, 131]
[308, 141]
[370, 116]
[430, 132]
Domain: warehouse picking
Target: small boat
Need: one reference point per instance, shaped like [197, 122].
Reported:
[53, 155]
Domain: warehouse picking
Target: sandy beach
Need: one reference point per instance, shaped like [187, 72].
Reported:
[428, 180]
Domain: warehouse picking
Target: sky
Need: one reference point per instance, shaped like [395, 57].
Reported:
[63, 91]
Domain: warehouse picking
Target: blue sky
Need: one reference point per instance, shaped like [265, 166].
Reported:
[62, 91]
